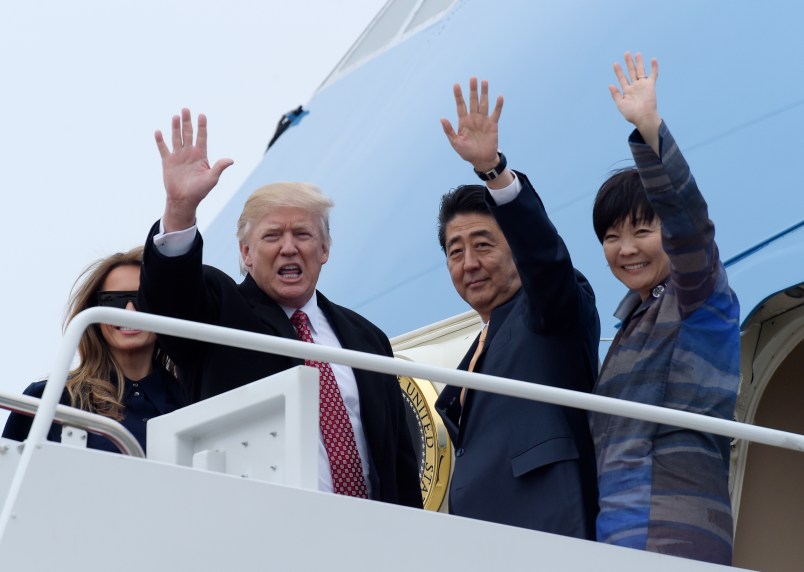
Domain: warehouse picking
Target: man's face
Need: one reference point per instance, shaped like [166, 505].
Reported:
[284, 252]
[635, 255]
[480, 262]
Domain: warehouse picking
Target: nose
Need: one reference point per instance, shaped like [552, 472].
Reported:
[628, 247]
[130, 306]
[287, 246]
[470, 260]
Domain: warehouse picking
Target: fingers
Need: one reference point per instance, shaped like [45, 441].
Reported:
[201, 138]
[181, 127]
[615, 93]
[186, 127]
[175, 128]
[160, 144]
[483, 107]
[640, 67]
[478, 104]
[630, 66]
[618, 71]
[636, 67]
[460, 104]
[473, 102]
[495, 115]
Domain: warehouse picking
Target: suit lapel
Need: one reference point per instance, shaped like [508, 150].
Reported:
[348, 337]
[497, 330]
[351, 339]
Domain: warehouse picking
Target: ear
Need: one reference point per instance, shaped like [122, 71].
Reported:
[324, 253]
[244, 254]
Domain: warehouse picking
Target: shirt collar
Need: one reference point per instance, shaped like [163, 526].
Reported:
[628, 305]
[311, 309]
[633, 303]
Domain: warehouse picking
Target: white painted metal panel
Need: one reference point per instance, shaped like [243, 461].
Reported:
[88, 510]
[266, 430]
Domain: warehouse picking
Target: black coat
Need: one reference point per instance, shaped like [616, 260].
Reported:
[156, 394]
[520, 462]
[182, 287]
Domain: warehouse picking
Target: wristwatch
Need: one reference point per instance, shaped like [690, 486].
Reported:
[492, 174]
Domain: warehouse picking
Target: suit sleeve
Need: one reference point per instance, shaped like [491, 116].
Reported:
[18, 425]
[558, 296]
[407, 465]
[177, 287]
[688, 234]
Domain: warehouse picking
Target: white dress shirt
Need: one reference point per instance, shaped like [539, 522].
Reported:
[506, 194]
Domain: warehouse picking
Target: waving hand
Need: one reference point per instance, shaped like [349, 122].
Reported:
[186, 172]
[476, 140]
[637, 100]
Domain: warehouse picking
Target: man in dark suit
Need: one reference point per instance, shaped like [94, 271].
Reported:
[517, 462]
[365, 446]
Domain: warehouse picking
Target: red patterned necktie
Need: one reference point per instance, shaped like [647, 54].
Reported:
[339, 437]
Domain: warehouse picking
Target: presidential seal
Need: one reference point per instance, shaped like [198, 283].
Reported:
[430, 440]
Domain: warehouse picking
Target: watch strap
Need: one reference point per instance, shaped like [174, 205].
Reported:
[492, 174]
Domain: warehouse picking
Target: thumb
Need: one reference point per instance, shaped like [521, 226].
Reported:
[448, 130]
[219, 167]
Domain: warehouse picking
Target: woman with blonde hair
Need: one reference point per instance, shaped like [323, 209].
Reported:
[108, 354]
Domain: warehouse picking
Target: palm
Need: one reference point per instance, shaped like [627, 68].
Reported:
[187, 175]
[638, 99]
[476, 139]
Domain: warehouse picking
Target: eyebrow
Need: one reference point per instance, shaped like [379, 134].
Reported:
[292, 226]
[474, 234]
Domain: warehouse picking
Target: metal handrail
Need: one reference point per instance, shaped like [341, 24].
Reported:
[394, 366]
[91, 422]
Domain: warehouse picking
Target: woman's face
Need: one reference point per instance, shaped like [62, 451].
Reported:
[122, 340]
[635, 255]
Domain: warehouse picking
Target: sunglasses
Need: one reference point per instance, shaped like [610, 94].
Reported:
[117, 298]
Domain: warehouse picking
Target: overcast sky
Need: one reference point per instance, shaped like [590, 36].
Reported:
[86, 83]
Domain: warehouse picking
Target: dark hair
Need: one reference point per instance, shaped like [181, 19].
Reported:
[461, 200]
[622, 196]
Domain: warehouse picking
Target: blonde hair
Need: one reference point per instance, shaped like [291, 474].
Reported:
[90, 385]
[298, 195]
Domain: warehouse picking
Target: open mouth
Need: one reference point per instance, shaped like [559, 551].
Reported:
[636, 266]
[290, 271]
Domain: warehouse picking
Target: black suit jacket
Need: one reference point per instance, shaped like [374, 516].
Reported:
[521, 462]
[182, 287]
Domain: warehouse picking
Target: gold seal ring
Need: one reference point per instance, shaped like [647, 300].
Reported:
[430, 440]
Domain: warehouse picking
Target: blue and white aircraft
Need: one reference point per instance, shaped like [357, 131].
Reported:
[732, 91]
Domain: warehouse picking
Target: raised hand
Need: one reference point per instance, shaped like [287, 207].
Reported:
[636, 98]
[185, 170]
[477, 137]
